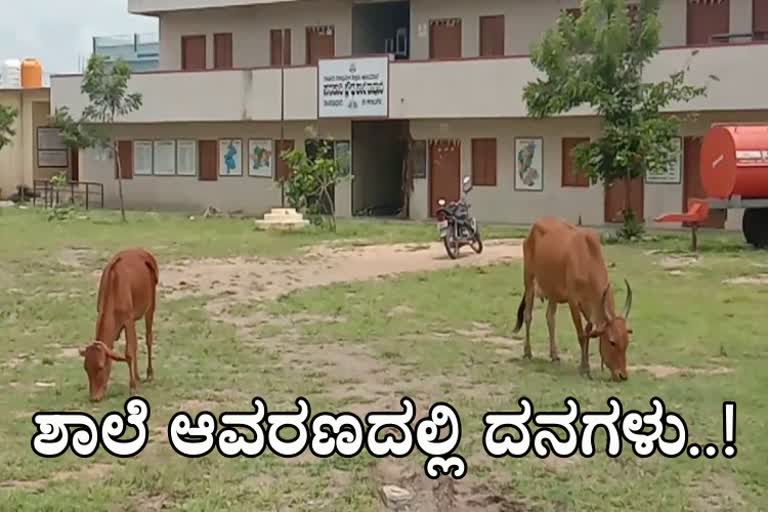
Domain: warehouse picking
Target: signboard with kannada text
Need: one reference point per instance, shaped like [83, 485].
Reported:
[353, 88]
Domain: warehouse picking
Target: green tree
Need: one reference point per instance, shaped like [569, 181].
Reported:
[312, 181]
[597, 60]
[7, 118]
[106, 86]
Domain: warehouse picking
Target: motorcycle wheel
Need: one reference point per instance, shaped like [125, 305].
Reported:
[477, 243]
[451, 246]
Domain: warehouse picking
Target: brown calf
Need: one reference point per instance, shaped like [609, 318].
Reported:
[564, 264]
[127, 292]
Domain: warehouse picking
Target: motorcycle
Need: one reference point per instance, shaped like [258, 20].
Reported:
[456, 226]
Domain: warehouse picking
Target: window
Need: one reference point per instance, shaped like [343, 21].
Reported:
[222, 51]
[705, 20]
[445, 38]
[142, 158]
[574, 12]
[193, 53]
[571, 176]
[280, 41]
[320, 44]
[208, 155]
[186, 157]
[760, 20]
[484, 162]
[164, 158]
[125, 159]
[491, 36]
[283, 171]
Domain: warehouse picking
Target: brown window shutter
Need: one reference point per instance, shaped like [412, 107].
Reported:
[208, 157]
[320, 44]
[193, 53]
[706, 19]
[280, 40]
[445, 38]
[760, 20]
[570, 176]
[125, 154]
[492, 36]
[222, 51]
[484, 162]
[283, 171]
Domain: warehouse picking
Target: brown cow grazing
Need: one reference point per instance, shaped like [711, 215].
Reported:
[564, 264]
[127, 292]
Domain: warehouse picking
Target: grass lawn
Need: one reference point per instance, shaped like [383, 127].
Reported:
[433, 336]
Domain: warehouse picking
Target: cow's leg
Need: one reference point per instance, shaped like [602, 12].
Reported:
[551, 313]
[148, 319]
[131, 342]
[528, 316]
[583, 339]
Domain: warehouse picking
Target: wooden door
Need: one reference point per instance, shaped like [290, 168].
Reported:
[320, 44]
[692, 187]
[615, 195]
[193, 53]
[706, 19]
[445, 39]
[444, 173]
[280, 42]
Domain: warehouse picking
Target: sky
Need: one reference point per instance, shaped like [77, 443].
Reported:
[58, 32]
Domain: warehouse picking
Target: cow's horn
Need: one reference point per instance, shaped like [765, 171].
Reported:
[628, 301]
[608, 315]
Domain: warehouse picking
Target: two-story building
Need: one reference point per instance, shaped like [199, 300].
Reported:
[240, 79]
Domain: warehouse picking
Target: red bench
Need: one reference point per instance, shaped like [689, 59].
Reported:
[698, 211]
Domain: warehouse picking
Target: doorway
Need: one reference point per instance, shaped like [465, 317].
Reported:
[692, 187]
[381, 27]
[378, 153]
[615, 196]
[444, 173]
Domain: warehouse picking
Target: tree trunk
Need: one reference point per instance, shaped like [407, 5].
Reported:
[332, 208]
[119, 180]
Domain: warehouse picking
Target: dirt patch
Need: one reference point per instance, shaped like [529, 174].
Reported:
[719, 493]
[91, 472]
[444, 494]
[663, 372]
[677, 262]
[263, 278]
[759, 279]
[74, 256]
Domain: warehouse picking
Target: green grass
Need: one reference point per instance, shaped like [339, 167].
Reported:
[433, 336]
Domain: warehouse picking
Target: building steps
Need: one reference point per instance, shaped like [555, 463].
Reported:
[282, 218]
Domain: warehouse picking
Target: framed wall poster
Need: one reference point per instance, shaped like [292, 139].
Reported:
[673, 174]
[164, 157]
[420, 159]
[529, 164]
[52, 158]
[230, 157]
[142, 157]
[342, 152]
[186, 157]
[260, 158]
[49, 139]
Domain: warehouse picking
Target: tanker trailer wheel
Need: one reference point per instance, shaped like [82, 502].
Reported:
[754, 225]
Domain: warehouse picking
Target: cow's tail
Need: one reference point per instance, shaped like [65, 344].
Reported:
[520, 314]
